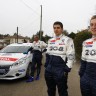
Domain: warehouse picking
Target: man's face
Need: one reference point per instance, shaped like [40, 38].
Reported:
[93, 27]
[57, 30]
[36, 38]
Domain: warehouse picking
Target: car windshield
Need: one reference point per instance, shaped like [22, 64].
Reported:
[15, 49]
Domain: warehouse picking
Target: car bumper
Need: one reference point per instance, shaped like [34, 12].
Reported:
[14, 72]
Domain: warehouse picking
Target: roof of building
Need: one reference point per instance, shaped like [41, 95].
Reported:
[15, 36]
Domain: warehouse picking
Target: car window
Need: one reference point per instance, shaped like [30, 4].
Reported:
[15, 49]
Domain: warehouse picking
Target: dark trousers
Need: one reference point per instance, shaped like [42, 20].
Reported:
[88, 86]
[37, 58]
[53, 80]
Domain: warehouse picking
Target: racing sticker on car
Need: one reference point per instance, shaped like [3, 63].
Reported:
[8, 59]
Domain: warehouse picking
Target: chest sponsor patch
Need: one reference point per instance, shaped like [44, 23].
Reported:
[89, 44]
[8, 59]
[52, 41]
[56, 48]
[62, 43]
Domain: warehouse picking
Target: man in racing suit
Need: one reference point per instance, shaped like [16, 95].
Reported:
[88, 63]
[59, 60]
[37, 57]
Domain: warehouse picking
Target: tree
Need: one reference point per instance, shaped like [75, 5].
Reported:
[6, 35]
[15, 34]
[1, 36]
[32, 39]
[47, 38]
[72, 35]
[65, 32]
[79, 38]
[41, 37]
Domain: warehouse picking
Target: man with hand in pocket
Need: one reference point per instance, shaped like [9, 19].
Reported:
[59, 61]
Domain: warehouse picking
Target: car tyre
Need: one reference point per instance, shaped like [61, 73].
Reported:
[28, 72]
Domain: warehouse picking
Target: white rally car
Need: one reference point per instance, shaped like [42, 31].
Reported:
[15, 61]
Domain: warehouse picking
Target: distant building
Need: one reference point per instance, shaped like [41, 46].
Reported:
[13, 39]
[2, 43]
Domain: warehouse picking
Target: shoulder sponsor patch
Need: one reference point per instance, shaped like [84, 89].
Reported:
[63, 40]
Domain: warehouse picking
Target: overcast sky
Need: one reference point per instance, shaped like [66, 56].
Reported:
[74, 14]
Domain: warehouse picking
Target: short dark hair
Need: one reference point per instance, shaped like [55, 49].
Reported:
[36, 36]
[58, 23]
[93, 17]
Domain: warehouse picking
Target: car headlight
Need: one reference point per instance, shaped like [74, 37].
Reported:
[19, 62]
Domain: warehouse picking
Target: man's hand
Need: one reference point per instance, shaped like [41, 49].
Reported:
[65, 73]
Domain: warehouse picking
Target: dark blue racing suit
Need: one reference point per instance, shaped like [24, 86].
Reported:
[56, 66]
[88, 68]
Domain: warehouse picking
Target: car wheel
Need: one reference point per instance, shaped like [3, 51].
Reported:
[28, 72]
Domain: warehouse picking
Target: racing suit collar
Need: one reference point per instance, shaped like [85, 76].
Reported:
[36, 41]
[94, 38]
[58, 36]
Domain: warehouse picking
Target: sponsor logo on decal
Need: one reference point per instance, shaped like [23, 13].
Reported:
[22, 70]
[7, 59]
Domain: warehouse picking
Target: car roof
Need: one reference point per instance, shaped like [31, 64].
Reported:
[20, 44]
